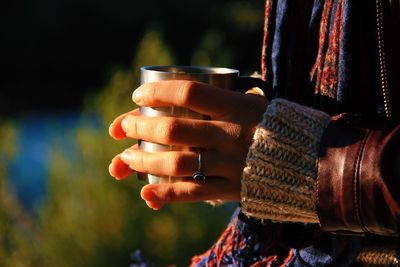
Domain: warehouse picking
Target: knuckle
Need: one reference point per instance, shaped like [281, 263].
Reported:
[233, 131]
[143, 163]
[137, 127]
[175, 164]
[168, 129]
[139, 163]
[150, 93]
[186, 92]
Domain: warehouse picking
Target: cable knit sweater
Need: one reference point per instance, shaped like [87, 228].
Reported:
[280, 172]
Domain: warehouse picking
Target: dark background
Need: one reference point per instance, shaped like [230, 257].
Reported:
[67, 69]
[53, 52]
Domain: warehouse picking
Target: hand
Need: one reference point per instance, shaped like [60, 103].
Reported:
[224, 140]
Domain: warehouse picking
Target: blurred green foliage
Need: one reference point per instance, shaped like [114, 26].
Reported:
[90, 219]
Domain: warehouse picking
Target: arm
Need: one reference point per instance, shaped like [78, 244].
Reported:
[358, 186]
[328, 172]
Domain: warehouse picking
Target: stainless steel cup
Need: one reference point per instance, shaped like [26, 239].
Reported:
[219, 77]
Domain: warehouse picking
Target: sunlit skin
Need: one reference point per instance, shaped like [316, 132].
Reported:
[224, 141]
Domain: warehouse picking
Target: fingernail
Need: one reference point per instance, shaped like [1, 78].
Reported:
[125, 124]
[126, 157]
[151, 205]
[137, 95]
[110, 129]
[111, 170]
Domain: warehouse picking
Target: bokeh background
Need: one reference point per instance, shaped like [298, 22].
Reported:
[67, 69]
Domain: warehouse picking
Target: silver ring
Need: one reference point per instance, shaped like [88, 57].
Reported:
[199, 175]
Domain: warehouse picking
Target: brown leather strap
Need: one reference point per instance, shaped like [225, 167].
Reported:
[358, 182]
[379, 197]
[337, 182]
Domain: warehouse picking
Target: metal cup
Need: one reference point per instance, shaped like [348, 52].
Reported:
[219, 77]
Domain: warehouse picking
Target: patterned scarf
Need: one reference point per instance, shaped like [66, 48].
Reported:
[246, 243]
[325, 72]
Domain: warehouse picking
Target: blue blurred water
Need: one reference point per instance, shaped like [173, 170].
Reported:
[38, 135]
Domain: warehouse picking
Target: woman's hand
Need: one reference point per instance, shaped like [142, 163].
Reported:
[224, 140]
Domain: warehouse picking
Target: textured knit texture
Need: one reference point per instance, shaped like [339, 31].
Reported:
[278, 180]
[379, 256]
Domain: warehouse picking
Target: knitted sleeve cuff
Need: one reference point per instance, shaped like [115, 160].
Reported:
[278, 180]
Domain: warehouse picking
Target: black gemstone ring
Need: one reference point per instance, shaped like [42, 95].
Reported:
[199, 175]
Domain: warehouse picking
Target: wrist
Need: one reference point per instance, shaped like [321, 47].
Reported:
[278, 180]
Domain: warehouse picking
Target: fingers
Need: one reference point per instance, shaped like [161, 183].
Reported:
[155, 205]
[256, 91]
[118, 169]
[177, 131]
[181, 163]
[115, 128]
[199, 97]
[192, 191]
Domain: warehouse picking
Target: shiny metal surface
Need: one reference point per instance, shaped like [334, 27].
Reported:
[219, 77]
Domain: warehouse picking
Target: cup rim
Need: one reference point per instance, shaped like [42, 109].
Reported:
[192, 70]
